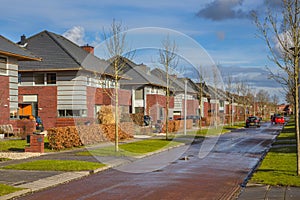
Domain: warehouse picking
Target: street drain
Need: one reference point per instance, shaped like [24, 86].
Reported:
[158, 170]
[173, 162]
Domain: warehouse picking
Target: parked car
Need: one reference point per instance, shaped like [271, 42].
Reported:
[253, 121]
[277, 119]
[39, 124]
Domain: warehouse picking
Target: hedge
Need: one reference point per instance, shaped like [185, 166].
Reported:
[75, 136]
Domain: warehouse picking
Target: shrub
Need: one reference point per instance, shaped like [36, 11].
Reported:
[138, 118]
[173, 126]
[63, 137]
[105, 115]
[75, 136]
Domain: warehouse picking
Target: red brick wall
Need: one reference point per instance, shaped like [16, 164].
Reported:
[99, 96]
[192, 107]
[4, 95]
[153, 99]
[47, 102]
[206, 107]
[154, 102]
[26, 127]
[104, 96]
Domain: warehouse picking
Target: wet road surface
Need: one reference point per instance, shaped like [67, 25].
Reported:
[217, 172]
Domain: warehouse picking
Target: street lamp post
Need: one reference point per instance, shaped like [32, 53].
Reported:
[185, 104]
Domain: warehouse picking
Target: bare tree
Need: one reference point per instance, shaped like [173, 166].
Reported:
[244, 96]
[230, 96]
[262, 99]
[117, 49]
[169, 59]
[274, 103]
[285, 30]
[216, 86]
[200, 76]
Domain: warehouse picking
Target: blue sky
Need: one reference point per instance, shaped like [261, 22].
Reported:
[223, 28]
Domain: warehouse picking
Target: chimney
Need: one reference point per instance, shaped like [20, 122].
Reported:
[23, 40]
[88, 49]
[144, 68]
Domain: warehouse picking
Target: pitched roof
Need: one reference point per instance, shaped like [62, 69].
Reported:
[197, 86]
[59, 53]
[9, 48]
[140, 75]
[216, 93]
[175, 84]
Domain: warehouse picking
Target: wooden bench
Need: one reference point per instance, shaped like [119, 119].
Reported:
[8, 130]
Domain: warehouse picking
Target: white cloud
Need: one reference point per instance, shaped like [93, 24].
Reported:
[285, 39]
[76, 34]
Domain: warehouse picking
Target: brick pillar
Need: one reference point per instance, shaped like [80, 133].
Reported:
[36, 143]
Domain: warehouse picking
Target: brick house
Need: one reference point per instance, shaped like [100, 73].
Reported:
[148, 92]
[177, 86]
[10, 55]
[68, 86]
[205, 97]
[217, 109]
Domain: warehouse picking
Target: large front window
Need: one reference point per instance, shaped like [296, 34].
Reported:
[45, 78]
[72, 113]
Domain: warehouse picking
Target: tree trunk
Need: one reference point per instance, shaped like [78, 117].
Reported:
[167, 107]
[116, 117]
[200, 107]
[296, 77]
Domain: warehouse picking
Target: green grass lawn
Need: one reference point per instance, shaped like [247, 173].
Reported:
[56, 165]
[7, 189]
[12, 145]
[132, 148]
[279, 167]
[18, 145]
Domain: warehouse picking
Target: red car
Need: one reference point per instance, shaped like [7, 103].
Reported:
[278, 119]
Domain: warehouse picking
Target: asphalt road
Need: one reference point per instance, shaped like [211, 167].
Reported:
[215, 168]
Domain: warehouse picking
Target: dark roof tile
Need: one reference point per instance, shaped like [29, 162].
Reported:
[59, 53]
[9, 48]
